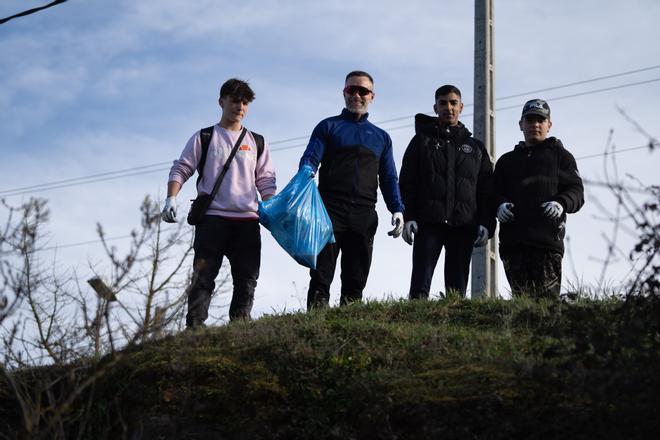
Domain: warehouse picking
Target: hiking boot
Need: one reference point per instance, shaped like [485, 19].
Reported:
[195, 326]
[318, 299]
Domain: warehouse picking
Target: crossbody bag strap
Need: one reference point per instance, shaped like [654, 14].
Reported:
[205, 136]
[227, 163]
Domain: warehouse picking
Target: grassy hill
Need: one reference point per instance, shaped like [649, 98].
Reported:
[395, 370]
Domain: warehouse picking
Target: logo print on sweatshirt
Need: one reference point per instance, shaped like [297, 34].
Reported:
[465, 148]
[244, 147]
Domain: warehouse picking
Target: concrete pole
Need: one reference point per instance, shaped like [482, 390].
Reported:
[484, 260]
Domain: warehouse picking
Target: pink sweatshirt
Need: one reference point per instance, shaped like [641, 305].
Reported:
[237, 196]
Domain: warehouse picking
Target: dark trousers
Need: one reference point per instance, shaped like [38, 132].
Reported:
[533, 271]
[429, 241]
[240, 242]
[354, 231]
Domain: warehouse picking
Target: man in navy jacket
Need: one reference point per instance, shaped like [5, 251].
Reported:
[354, 157]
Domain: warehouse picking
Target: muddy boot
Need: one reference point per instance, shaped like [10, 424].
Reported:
[317, 299]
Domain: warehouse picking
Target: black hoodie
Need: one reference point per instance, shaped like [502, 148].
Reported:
[529, 176]
[446, 176]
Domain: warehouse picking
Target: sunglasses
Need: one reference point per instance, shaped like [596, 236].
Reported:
[352, 90]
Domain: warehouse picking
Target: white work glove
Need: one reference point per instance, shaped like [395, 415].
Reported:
[397, 222]
[482, 237]
[169, 211]
[409, 230]
[552, 210]
[504, 213]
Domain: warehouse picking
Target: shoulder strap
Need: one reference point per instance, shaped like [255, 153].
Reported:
[259, 139]
[226, 167]
[205, 135]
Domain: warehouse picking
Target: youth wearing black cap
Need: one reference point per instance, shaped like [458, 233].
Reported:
[536, 185]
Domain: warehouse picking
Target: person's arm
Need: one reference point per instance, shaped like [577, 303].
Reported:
[571, 189]
[316, 147]
[265, 179]
[181, 171]
[408, 179]
[173, 188]
[184, 167]
[387, 176]
[485, 213]
[502, 205]
[500, 190]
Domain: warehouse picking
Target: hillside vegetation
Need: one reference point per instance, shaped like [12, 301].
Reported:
[383, 370]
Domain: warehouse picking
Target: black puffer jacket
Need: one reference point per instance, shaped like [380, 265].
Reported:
[446, 176]
[528, 177]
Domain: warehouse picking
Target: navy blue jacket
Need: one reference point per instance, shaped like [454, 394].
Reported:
[354, 156]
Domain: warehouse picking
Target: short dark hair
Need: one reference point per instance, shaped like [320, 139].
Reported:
[359, 73]
[237, 89]
[446, 90]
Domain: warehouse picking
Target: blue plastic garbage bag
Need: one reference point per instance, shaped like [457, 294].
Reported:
[297, 219]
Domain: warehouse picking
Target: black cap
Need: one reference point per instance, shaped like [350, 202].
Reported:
[536, 107]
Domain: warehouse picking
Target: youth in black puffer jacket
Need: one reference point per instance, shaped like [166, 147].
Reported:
[528, 177]
[446, 187]
[446, 176]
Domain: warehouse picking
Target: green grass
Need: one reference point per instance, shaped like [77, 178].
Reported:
[393, 370]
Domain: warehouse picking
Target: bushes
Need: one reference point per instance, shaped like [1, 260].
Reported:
[420, 369]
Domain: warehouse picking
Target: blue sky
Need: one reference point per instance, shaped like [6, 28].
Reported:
[96, 86]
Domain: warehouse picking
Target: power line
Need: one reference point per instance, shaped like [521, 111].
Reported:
[560, 86]
[79, 180]
[615, 186]
[585, 181]
[586, 81]
[31, 11]
[588, 182]
[650, 146]
[100, 179]
[82, 243]
[591, 92]
[145, 169]
[120, 174]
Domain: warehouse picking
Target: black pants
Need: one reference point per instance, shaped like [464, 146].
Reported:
[533, 271]
[429, 241]
[354, 230]
[240, 242]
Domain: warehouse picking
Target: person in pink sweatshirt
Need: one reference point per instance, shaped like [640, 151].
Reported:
[231, 224]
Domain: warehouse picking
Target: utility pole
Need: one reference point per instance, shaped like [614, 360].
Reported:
[484, 259]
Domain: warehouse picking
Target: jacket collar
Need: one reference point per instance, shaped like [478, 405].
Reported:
[350, 116]
[548, 142]
[429, 126]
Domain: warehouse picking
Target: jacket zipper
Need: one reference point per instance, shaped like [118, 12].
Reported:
[357, 164]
